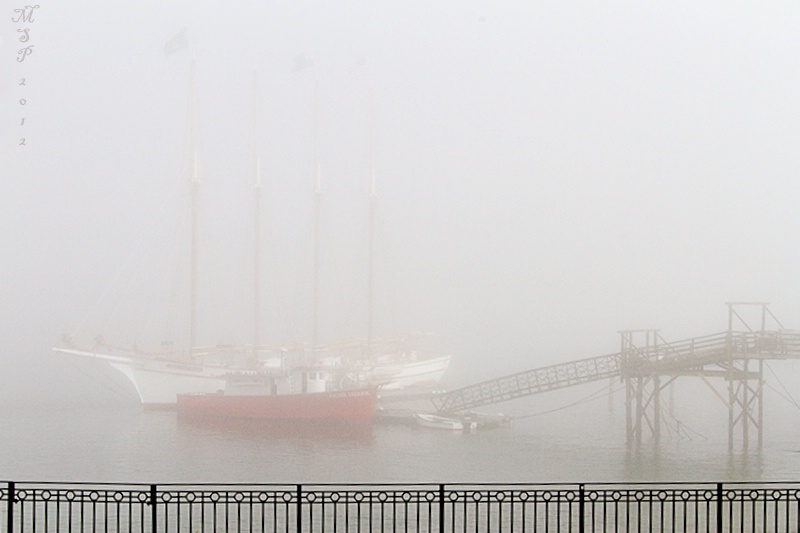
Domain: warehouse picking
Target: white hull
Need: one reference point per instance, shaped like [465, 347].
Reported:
[160, 386]
[159, 381]
[407, 371]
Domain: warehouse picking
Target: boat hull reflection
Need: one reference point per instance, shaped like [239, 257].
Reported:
[263, 429]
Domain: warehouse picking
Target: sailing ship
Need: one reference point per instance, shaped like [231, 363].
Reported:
[191, 376]
[159, 377]
[400, 370]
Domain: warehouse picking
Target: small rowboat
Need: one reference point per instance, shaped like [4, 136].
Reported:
[441, 422]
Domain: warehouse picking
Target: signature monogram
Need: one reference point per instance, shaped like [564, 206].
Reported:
[24, 15]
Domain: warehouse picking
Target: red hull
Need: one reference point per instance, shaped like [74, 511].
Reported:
[355, 406]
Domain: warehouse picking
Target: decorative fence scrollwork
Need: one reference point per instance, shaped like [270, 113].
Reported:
[595, 507]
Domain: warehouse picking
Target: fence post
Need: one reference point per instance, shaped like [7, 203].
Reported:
[299, 508]
[719, 507]
[441, 508]
[10, 514]
[581, 508]
[153, 515]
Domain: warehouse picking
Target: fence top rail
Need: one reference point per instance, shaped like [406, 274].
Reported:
[595, 485]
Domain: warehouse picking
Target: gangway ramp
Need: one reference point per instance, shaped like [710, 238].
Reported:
[694, 356]
[538, 380]
[647, 364]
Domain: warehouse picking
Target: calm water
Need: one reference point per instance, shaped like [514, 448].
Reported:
[87, 441]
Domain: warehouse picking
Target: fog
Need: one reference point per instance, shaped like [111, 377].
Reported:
[546, 173]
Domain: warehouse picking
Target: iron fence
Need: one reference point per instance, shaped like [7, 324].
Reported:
[595, 507]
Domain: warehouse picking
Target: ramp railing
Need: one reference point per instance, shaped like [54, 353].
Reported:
[667, 357]
[538, 380]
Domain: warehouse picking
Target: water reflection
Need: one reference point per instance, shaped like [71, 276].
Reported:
[671, 462]
[745, 466]
[274, 430]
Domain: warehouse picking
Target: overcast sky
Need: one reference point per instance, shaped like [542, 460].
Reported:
[548, 173]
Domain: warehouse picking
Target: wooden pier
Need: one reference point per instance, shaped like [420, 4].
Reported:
[647, 363]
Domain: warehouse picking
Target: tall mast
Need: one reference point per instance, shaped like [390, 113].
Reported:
[193, 214]
[257, 229]
[317, 208]
[372, 212]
